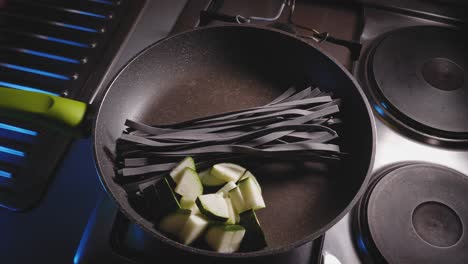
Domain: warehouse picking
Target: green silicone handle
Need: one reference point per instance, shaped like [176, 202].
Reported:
[61, 109]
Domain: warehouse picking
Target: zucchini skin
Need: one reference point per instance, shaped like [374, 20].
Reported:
[209, 214]
[254, 238]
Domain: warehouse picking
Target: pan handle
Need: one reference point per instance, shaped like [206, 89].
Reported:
[207, 16]
[63, 110]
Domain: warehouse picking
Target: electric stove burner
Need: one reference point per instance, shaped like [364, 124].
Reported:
[419, 78]
[414, 213]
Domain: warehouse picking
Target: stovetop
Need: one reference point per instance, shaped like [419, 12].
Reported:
[76, 222]
[395, 146]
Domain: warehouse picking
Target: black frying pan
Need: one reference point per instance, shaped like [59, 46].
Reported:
[217, 69]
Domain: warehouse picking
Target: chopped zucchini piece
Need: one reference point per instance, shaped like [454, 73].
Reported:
[191, 212]
[149, 200]
[225, 238]
[186, 203]
[237, 200]
[193, 229]
[248, 174]
[174, 222]
[227, 171]
[233, 217]
[209, 180]
[227, 187]
[253, 198]
[213, 206]
[188, 162]
[168, 199]
[189, 184]
[254, 238]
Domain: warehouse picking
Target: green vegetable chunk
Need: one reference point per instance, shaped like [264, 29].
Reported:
[225, 238]
[253, 198]
[214, 206]
[174, 222]
[209, 180]
[233, 216]
[189, 184]
[227, 187]
[248, 174]
[188, 162]
[237, 200]
[190, 205]
[193, 229]
[168, 199]
[254, 237]
[227, 171]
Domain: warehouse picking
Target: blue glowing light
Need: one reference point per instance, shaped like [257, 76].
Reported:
[384, 105]
[361, 245]
[85, 236]
[18, 129]
[12, 151]
[87, 29]
[9, 208]
[25, 88]
[135, 237]
[379, 110]
[77, 257]
[5, 174]
[79, 12]
[63, 41]
[48, 55]
[35, 71]
[106, 2]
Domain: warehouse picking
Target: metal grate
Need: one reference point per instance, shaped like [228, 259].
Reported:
[15, 142]
[19, 144]
[52, 47]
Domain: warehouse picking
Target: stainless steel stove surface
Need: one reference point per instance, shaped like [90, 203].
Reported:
[416, 199]
[400, 147]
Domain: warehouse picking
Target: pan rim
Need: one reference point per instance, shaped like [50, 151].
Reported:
[264, 252]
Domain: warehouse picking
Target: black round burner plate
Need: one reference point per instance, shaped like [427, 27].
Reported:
[422, 72]
[419, 214]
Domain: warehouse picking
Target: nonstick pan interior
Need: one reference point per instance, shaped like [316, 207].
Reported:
[219, 69]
